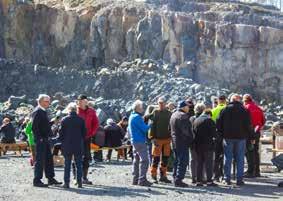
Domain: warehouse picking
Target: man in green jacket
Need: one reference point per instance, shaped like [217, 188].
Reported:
[219, 154]
[161, 140]
[220, 106]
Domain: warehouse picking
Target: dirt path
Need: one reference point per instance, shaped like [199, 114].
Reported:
[112, 182]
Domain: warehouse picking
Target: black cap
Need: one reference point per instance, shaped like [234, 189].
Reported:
[222, 97]
[82, 97]
[125, 118]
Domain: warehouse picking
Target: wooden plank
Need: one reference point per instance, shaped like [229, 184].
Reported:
[277, 150]
[109, 148]
[16, 147]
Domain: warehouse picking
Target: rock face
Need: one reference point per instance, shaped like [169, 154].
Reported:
[232, 45]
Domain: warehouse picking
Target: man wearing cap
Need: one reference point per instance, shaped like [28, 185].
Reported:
[219, 153]
[92, 123]
[72, 135]
[41, 129]
[182, 137]
[161, 140]
[258, 121]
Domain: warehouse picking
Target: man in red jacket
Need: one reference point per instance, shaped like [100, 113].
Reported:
[92, 124]
[258, 121]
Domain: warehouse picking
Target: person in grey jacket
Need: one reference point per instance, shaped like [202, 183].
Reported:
[182, 137]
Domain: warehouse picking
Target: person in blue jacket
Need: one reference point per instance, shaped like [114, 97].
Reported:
[138, 130]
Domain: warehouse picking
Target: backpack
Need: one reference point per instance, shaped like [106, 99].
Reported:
[99, 137]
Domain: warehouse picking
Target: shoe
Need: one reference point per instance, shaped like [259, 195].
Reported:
[217, 179]
[39, 184]
[154, 178]
[227, 183]
[257, 175]
[165, 180]
[212, 184]
[194, 181]
[199, 184]
[53, 182]
[135, 182]
[181, 184]
[87, 182]
[80, 185]
[240, 183]
[66, 186]
[145, 183]
[249, 175]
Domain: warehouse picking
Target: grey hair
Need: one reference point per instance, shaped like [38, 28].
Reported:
[72, 107]
[199, 108]
[235, 97]
[137, 103]
[42, 96]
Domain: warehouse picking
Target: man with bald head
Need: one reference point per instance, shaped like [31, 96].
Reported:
[234, 125]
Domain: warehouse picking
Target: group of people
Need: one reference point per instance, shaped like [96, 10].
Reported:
[75, 133]
[213, 137]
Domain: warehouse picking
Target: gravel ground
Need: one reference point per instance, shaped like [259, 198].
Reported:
[112, 182]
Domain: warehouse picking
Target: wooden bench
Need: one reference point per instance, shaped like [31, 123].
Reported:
[16, 147]
[96, 148]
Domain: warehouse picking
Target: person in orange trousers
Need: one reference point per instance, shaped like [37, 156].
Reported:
[161, 140]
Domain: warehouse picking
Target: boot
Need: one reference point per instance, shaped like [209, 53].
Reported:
[163, 175]
[66, 186]
[165, 180]
[53, 181]
[180, 184]
[154, 178]
[85, 179]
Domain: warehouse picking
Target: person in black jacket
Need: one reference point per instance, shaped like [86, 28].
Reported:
[204, 130]
[113, 136]
[182, 137]
[234, 124]
[8, 131]
[198, 110]
[41, 129]
[72, 134]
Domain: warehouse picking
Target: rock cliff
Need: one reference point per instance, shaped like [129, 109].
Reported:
[233, 45]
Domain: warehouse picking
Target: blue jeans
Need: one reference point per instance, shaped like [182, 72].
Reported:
[181, 155]
[234, 148]
[67, 170]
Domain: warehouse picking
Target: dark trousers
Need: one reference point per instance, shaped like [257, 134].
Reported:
[43, 160]
[97, 156]
[204, 160]
[109, 154]
[78, 165]
[181, 155]
[193, 163]
[219, 160]
[253, 158]
[86, 157]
